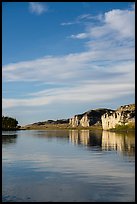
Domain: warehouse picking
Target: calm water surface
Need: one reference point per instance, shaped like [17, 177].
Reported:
[68, 166]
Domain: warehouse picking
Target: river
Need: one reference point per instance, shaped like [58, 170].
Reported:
[68, 166]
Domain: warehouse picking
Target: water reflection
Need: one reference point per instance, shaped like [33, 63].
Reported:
[85, 137]
[9, 139]
[45, 166]
[104, 140]
[51, 134]
[123, 142]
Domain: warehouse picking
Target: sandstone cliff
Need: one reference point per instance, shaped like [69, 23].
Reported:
[125, 115]
[107, 118]
[89, 118]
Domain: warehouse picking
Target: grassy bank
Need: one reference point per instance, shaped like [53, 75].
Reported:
[58, 127]
[119, 128]
[124, 128]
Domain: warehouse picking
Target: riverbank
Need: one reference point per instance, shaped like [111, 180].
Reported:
[68, 127]
[57, 126]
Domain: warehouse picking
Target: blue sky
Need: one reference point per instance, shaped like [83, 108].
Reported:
[64, 58]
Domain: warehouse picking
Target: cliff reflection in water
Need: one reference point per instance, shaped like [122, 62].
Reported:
[122, 142]
[85, 137]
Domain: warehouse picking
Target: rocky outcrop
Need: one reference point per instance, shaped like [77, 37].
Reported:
[75, 121]
[107, 118]
[125, 115]
[89, 118]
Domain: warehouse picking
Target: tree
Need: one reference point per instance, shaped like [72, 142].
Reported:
[9, 123]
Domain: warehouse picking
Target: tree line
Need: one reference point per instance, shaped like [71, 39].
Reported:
[9, 123]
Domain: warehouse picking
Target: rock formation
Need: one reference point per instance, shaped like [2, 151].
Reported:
[89, 118]
[107, 118]
[75, 121]
[125, 115]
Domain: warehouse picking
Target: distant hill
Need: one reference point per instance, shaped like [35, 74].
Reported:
[61, 123]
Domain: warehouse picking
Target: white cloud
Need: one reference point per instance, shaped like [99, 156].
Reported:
[37, 7]
[79, 36]
[84, 18]
[122, 21]
[88, 91]
[106, 71]
[67, 23]
[8, 103]
[116, 23]
[100, 84]
[72, 67]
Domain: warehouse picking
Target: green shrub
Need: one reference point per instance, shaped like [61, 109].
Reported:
[130, 126]
[9, 123]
